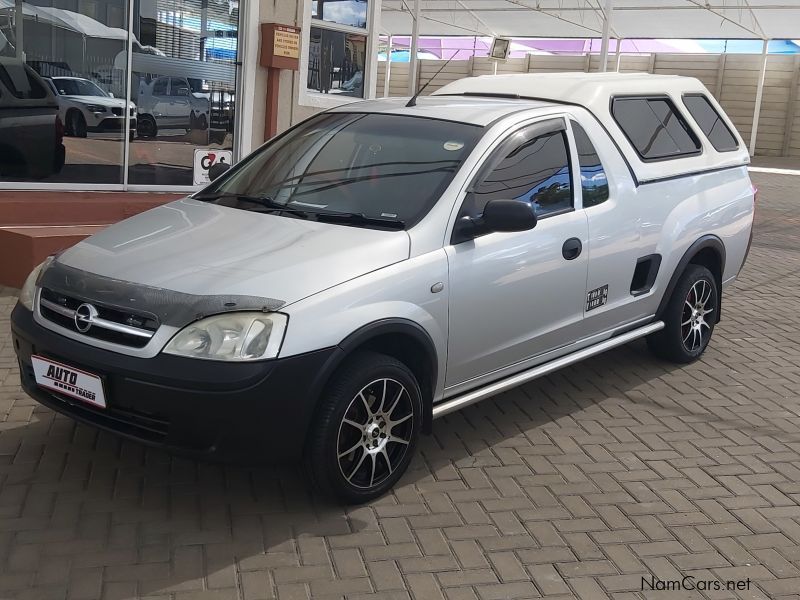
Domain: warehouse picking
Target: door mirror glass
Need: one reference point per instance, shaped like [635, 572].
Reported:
[508, 215]
[218, 169]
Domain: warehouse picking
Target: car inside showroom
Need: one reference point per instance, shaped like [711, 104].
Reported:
[402, 299]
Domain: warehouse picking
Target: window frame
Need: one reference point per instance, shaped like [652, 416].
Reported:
[670, 101]
[719, 116]
[495, 155]
[310, 98]
[572, 122]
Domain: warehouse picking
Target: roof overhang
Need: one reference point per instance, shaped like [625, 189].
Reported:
[712, 19]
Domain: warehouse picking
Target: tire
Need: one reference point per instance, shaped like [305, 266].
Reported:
[146, 127]
[76, 124]
[365, 430]
[689, 317]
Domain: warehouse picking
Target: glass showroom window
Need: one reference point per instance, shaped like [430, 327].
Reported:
[183, 81]
[62, 91]
[65, 102]
[337, 51]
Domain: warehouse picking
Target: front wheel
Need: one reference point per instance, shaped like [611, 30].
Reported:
[366, 429]
[76, 124]
[689, 317]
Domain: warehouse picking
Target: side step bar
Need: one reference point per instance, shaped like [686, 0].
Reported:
[471, 397]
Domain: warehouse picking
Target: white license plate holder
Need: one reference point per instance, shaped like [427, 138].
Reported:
[69, 381]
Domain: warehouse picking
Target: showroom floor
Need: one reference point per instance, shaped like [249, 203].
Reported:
[609, 477]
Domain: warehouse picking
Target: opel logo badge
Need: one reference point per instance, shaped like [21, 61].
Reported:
[85, 315]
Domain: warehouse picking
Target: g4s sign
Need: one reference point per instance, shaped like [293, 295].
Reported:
[204, 159]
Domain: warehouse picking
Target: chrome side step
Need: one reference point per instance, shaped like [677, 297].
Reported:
[471, 397]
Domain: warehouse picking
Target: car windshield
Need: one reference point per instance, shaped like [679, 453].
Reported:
[365, 169]
[78, 87]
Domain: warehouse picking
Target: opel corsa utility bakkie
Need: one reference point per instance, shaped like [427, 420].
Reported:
[387, 262]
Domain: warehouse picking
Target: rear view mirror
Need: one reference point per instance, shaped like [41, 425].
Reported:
[218, 169]
[498, 215]
[508, 215]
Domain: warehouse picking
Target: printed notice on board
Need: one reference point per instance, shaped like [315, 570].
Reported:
[286, 42]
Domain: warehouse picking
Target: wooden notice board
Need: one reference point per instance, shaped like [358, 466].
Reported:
[280, 46]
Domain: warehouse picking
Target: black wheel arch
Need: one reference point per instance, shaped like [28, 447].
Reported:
[709, 251]
[401, 338]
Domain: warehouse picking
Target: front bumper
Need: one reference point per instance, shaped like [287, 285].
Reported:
[249, 413]
[113, 123]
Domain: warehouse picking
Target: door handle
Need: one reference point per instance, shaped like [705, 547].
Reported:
[571, 249]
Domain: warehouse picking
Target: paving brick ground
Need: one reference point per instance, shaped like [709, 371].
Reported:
[577, 485]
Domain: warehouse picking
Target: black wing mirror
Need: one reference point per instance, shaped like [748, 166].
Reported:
[508, 215]
[498, 215]
[217, 169]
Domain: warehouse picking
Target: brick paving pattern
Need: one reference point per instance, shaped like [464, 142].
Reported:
[574, 486]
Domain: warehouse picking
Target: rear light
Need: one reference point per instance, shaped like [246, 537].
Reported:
[59, 130]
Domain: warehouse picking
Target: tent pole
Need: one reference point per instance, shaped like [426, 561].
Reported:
[19, 28]
[607, 14]
[619, 54]
[412, 61]
[388, 73]
[759, 94]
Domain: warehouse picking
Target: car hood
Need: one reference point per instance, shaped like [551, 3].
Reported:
[99, 100]
[200, 248]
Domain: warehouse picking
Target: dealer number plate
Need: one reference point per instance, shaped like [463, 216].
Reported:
[69, 381]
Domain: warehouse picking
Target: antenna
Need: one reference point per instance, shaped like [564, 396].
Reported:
[413, 100]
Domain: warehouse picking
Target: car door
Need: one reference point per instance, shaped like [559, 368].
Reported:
[180, 107]
[622, 263]
[516, 296]
[160, 102]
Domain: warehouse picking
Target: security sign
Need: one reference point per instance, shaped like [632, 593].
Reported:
[204, 159]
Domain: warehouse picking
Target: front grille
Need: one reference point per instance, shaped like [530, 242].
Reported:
[110, 324]
[116, 111]
[145, 426]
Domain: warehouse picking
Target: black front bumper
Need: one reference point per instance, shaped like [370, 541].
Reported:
[250, 413]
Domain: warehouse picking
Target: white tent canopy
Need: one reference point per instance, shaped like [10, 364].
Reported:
[720, 19]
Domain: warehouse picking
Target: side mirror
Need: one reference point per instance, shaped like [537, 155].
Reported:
[508, 215]
[218, 169]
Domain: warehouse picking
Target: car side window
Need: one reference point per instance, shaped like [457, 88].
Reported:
[655, 127]
[179, 87]
[710, 122]
[21, 81]
[535, 171]
[594, 184]
[160, 87]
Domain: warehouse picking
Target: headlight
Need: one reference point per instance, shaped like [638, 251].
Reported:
[28, 291]
[236, 336]
[95, 108]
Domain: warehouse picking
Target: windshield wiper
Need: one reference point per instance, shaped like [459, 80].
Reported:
[359, 219]
[264, 201]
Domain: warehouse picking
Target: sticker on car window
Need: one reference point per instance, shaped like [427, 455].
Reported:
[453, 146]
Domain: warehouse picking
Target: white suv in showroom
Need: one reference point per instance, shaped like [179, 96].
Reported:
[85, 107]
[387, 262]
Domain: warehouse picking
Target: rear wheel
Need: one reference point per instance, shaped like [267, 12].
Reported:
[366, 429]
[146, 127]
[689, 317]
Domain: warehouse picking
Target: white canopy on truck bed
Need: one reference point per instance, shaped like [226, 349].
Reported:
[595, 92]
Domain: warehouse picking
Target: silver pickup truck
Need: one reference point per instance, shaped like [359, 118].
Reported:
[388, 262]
